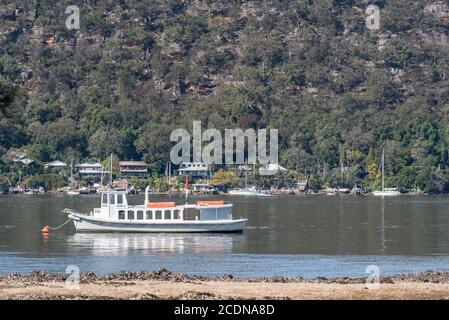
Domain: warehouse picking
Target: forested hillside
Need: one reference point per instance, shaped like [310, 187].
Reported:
[136, 70]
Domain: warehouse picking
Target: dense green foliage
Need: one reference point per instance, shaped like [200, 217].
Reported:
[47, 181]
[337, 91]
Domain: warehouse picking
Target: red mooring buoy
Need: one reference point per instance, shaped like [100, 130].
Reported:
[45, 230]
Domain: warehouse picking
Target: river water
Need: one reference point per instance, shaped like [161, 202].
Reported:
[311, 236]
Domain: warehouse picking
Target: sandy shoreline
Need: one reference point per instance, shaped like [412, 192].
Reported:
[164, 284]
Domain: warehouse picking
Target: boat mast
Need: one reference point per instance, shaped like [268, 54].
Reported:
[342, 168]
[383, 168]
[110, 173]
[187, 188]
[169, 177]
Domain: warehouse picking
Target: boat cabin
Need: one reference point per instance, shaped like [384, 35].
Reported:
[219, 212]
[114, 205]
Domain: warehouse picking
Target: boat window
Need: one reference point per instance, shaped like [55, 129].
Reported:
[176, 214]
[216, 214]
[130, 215]
[105, 199]
[120, 199]
[111, 199]
[167, 214]
[139, 215]
[121, 215]
[149, 215]
[159, 214]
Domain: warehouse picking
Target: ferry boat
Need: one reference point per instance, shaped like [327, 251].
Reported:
[115, 215]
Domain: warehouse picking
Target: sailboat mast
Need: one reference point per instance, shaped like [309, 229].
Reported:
[383, 168]
[71, 173]
[342, 171]
[110, 173]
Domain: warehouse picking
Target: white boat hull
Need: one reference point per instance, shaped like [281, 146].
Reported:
[241, 193]
[249, 194]
[87, 223]
[386, 193]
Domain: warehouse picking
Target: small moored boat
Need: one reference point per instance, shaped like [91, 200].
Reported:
[115, 215]
[385, 192]
[249, 192]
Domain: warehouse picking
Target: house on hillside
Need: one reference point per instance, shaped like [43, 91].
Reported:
[20, 158]
[194, 170]
[271, 169]
[56, 166]
[91, 170]
[133, 168]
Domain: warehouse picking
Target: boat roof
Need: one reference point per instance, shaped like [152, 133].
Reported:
[195, 206]
[112, 191]
[201, 205]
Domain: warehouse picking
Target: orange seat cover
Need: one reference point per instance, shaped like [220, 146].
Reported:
[161, 204]
[210, 203]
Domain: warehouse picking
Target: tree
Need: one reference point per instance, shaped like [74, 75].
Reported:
[225, 179]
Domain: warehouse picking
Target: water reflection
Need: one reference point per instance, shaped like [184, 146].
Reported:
[121, 243]
[281, 225]
[382, 228]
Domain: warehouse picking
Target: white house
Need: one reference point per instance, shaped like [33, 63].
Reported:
[90, 169]
[56, 165]
[271, 169]
[194, 169]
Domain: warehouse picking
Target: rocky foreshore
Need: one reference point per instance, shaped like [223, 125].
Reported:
[429, 276]
[164, 284]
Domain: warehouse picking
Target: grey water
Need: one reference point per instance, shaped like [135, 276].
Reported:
[331, 236]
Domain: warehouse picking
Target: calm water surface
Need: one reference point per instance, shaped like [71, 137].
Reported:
[287, 235]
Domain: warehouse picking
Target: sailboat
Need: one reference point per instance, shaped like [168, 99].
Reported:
[248, 191]
[385, 191]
